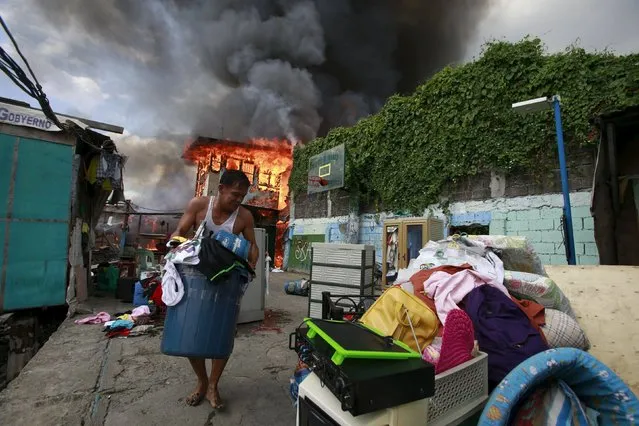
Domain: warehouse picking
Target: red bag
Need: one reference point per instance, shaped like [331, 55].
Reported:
[156, 297]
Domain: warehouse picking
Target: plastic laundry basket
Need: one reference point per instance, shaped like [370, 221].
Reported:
[459, 392]
[202, 324]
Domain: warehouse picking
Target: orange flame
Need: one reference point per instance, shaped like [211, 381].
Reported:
[152, 225]
[280, 227]
[267, 164]
[151, 245]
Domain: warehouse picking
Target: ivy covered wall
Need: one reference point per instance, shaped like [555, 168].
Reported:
[460, 123]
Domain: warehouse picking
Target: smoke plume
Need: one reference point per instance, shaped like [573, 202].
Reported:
[241, 69]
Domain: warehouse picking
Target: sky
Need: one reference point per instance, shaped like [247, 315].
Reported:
[90, 85]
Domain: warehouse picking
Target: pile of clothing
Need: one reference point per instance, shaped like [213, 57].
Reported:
[136, 322]
[149, 290]
[489, 292]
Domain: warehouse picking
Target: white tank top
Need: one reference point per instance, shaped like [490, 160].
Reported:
[228, 224]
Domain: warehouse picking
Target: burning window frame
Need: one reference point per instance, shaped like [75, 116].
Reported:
[267, 164]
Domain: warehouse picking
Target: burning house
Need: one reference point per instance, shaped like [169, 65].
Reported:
[267, 164]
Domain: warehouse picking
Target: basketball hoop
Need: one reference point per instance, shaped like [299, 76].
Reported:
[317, 181]
[326, 170]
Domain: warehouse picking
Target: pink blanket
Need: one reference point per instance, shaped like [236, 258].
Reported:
[448, 290]
[100, 318]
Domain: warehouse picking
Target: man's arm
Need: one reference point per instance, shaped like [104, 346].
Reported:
[249, 234]
[188, 218]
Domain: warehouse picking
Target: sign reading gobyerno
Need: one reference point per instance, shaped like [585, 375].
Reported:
[27, 117]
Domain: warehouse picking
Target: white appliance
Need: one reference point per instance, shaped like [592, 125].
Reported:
[340, 269]
[325, 405]
[252, 308]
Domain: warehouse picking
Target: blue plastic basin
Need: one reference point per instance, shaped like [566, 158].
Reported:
[202, 324]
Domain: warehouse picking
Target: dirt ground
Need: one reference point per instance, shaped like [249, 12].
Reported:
[81, 378]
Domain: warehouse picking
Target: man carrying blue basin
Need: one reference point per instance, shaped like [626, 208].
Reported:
[204, 281]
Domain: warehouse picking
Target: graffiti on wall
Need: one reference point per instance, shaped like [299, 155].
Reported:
[300, 253]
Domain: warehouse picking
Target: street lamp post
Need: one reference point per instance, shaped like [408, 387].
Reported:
[541, 104]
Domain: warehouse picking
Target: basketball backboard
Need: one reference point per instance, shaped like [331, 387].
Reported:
[326, 170]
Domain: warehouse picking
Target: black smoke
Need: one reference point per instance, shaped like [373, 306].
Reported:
[272, 68]
[241, 69]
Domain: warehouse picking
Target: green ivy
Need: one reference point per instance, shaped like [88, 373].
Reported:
[460, 122]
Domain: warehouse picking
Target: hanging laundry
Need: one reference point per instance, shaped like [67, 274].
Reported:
[391, 251]
[92, 170]
[448, 290]
[502, 330]
[109, 166]
[100, 318]
[172, 286]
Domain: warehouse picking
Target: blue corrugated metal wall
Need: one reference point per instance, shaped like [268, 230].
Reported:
[34, 221]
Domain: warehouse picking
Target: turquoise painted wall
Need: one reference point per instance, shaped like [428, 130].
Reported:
[542, 227]
[34, 221]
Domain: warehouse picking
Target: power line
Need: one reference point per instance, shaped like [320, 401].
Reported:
[34, 89]
[18, 76]
[15, 45]
[155, 210]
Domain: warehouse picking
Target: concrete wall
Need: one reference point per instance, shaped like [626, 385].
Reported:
[581, 168]
[536, 217]
[522, 203]
[18, 344]
[323, 204]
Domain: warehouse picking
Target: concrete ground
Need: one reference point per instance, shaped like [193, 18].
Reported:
[81, 378]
